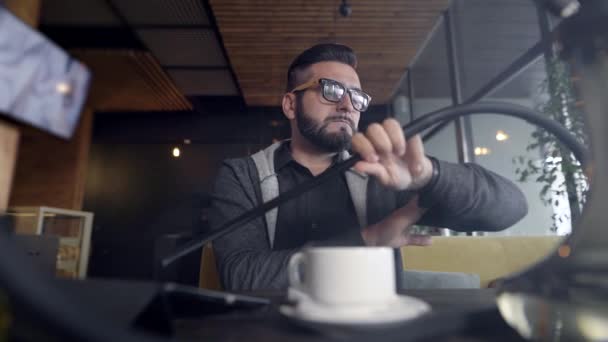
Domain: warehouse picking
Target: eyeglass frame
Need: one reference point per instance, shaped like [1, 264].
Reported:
[319, 81]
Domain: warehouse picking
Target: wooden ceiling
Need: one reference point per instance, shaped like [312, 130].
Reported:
[262, 37]
[126, 80]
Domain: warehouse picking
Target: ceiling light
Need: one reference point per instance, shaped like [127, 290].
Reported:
[481, 151]
[564, 251]
[563, 8]
[63, 88]
[501, 136]
[176, 152]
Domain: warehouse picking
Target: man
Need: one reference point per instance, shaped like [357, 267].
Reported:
[374, 204]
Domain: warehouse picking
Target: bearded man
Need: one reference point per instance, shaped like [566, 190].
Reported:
[373, 204]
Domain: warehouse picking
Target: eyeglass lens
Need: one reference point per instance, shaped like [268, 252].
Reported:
[333, 91]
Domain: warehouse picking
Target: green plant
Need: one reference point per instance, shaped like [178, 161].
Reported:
[562, 106]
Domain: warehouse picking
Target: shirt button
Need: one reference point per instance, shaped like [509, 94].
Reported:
[314, 225]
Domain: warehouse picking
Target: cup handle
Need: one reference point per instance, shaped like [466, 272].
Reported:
[293, 270]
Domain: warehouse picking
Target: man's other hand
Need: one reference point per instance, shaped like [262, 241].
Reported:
[397, 163]
[395, 230]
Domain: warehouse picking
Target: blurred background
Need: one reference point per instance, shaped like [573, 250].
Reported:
[180, 85]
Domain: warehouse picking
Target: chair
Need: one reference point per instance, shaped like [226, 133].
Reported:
[208, 275]
[491, 258]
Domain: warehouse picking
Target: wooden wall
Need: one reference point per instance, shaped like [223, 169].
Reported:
[49, 171]
[52, 171]
[9, 138]
[28, 11]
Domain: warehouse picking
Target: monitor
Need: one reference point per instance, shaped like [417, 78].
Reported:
[40, 84]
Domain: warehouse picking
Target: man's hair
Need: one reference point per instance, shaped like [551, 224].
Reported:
[316, 54]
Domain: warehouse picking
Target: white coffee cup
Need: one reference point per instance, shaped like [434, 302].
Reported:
[344, 276]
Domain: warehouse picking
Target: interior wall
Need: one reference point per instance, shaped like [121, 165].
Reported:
[51, 171]
[26, 10]
[139, 192]
[9, 140]
[29, 12]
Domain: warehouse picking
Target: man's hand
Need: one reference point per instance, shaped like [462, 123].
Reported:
[394, 231]
[397, 163]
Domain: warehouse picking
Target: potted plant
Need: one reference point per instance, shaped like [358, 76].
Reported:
[558, 170]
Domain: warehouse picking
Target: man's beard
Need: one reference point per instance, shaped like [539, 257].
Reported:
[317, 132]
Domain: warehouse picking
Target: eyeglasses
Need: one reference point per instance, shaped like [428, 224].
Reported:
[334, 91]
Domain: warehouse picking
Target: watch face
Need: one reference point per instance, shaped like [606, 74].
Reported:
[40, 84]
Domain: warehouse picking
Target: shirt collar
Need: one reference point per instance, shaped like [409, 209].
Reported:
[282, 156]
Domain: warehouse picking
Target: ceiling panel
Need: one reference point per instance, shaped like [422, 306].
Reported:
[204, 82]
[262, 38]
[163, 12]
[78, 13]
[183, 47]
[177, 33]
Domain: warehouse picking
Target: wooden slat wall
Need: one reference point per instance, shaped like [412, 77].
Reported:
[126, 80]
[49, 171]
[52, 171]
[9, 139]
[262, 38]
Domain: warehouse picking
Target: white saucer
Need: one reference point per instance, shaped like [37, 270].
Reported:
[396, 310]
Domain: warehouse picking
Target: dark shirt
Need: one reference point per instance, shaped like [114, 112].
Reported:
[320, 214]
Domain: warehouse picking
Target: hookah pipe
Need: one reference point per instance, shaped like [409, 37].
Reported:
[561, 8]
[411, 129]
[58, 312]
[62, 315]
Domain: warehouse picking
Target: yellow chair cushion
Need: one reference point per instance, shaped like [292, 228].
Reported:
[489, 257]
[208, 275]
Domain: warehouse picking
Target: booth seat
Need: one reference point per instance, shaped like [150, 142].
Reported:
[489, 258]
[209, 277]
[450, 262]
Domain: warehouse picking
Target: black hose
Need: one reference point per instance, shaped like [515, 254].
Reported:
[56, 309]
[411, 129]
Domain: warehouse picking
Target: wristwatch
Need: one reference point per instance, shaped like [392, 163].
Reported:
[434, 174]
[425, 198]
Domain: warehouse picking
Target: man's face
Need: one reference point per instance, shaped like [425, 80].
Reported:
[328, 125]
